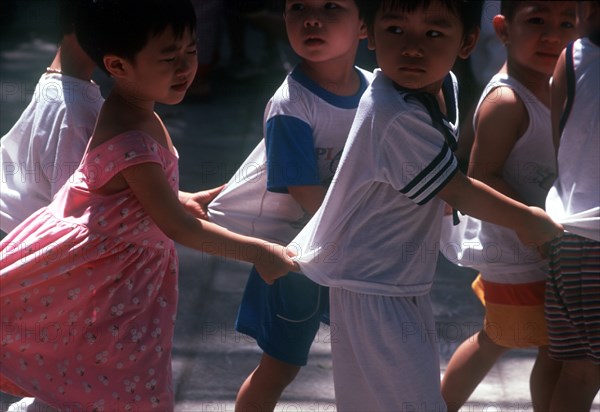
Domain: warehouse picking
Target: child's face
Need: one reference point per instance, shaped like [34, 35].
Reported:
[537, 33]
[320, 30]
[417, 49]
[164, 69]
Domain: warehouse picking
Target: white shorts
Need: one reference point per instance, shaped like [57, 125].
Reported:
[385, 353]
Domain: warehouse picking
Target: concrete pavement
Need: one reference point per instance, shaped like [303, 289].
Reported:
[211, 360]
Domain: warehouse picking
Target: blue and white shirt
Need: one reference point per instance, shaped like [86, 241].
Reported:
[378, 229]
[305, 129]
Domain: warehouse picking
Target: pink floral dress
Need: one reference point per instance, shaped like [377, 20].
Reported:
[88, 291]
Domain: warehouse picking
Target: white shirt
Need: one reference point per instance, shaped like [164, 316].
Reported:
[378, 229]
[44, 147]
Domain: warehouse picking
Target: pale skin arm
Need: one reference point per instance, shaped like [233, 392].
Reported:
[474, 198]
[197, 203]
[149, 184]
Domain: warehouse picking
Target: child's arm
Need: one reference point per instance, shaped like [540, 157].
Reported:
[474, 198]
[494, 143]
[558, 93]
[149, 184]
[309, 197]
[196, 203]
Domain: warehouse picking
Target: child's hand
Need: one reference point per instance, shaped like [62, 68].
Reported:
[541, 230]
[275, 263]
[197, 203]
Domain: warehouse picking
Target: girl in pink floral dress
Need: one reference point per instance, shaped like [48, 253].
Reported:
[88, 285]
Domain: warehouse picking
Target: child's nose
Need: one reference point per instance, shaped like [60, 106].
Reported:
[553, 34]
[312, 19]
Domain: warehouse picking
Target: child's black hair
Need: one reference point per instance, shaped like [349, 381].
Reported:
[67, 16]
[468, 11]
[508, 8]
[361, 4]
[123, 27]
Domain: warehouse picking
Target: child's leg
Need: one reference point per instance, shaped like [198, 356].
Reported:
[542, 381]
[468, 366]
[263, 387]
[577, 386]
[385, 353]
[284, 318]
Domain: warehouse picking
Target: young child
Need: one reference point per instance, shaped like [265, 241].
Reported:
[518, 160]
[89, 283]
[375, 239]
[283, 182]
[572, 306]
[43, 149]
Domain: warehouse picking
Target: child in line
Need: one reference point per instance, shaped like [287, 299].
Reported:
[518, 160]
[283, 182]
[44, 147]
[572, 290]
[375, 239]
[89, 284]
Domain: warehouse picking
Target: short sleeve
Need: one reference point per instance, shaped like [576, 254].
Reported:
[119, 153]
[291, 156]
[415, 158]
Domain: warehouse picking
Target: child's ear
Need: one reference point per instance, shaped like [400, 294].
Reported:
[371, 40]
[500, 27]
[468, 44]
[363, 31]
[115, 65]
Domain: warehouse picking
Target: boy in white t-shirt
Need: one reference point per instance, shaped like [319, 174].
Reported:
[375, 240]
[283, 182]
[44, 147]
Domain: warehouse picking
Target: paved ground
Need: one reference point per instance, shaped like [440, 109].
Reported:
[210, 359]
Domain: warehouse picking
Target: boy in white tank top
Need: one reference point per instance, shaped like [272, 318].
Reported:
[512, 153]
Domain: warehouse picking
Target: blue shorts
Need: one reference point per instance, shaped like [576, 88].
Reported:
[284, 318]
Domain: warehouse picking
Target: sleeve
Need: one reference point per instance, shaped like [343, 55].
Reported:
[119, 153]
[291, 158]
[415, 158]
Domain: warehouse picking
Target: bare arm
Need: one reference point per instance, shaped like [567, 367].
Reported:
[474, 198]
[197, 203]
[493, 143]
[149, 184]
[309, 197]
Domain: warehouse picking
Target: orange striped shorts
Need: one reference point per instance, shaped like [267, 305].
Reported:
[514, 313]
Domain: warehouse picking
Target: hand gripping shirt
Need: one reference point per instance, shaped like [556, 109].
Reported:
[378, 229]
[305, 130]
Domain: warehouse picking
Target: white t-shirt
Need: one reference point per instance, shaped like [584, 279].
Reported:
[305, 129]
[378, 229]
[529, 170]
[574, 200]
[44, 147]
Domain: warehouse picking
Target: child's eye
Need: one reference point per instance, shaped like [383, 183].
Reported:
[536, 20]
[296, 7]
[194, 51]
[394, 30]
[169, 60]
[434, 33]
[567, 25]
[331, 6]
